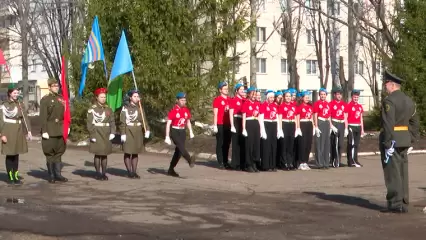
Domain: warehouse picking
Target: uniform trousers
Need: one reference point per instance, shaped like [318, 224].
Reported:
[53, 149]
[238, 145]
[287, 149]
[322, 144]
[354, 138]
[223, 142]
[336, 140]
[269, 146]
[252, 143]
[305, 142]
[178, 136]
[12, 165]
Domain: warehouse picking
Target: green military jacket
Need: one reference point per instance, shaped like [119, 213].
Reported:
[100, 124]
[52, 108]
[399, 120]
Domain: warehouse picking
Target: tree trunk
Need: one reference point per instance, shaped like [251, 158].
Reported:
[23, 11]
[343, 81]
[253, 40]
[351, 50]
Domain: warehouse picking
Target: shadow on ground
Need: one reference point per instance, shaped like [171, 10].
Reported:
[348, 200]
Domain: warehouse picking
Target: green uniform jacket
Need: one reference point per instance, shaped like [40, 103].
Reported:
[399, 120]
[12, 126]
[100, 124]
[131, 126]
[52, 108]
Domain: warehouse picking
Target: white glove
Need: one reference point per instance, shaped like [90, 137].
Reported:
[245, 133]
[318, 132]
[280, 134]
[123, 138]
[233, 130]
[390, 151]
[215, 129]
[29, 136]
[191, 134]
[45, 136]
[111, 136]
[69, 131]
[263, 134]
[346, 132]
[168, 141]
[298, 132]
[334, 129]
[147, 133]
[409, 150]
[93, 140]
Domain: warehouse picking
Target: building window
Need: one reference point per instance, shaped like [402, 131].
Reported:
[261, 34]
[310, 36]
[311, 67]
[284, 65]
[235, 60]
[359, 68]
[378, 67]
[361, 100]
[31, 89]
[338, 37]
[33, 65]
[43, 68]
[261, 65]
[360, 40]
[282, 36]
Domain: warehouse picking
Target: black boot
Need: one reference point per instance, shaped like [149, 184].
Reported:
[57, 171]
[51, 177]
[16, 179]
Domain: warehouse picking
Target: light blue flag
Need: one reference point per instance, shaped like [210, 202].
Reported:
[122, 61]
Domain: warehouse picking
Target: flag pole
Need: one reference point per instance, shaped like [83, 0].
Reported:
[140, 105]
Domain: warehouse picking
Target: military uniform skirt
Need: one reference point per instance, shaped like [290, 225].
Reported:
[134, 140]
[16, 142]
[103, 145]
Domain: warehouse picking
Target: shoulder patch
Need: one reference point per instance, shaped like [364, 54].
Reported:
[387, 107]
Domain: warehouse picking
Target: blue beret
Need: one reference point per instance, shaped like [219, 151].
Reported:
[251, 89]
[269, 91]
[180, 95]
[222, 84]
[356, 92]
[131, 92]
[292, 90]
[238, 86]
[286, 91]
[323, 90]
[278, 93]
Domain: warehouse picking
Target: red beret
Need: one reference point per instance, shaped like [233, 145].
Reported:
[100, 90]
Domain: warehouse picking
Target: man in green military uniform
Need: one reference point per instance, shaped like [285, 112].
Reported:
[52, 108]
[400, 128]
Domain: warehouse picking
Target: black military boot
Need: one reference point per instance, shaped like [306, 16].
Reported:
[57, 171]
[51, 177]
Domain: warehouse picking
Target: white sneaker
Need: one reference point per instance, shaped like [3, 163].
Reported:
[300, 166]
[357, 165]
[307, 167]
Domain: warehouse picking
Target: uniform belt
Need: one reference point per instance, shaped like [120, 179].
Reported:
[251, 118]
[269, 120]
[12, 121]
[134, 124]
[175, 127]
[237, 115]
[101, 124]
[400, 128]
[288, 120]
[323, 119]
[354, 124]
[305, 120]
[338, 120]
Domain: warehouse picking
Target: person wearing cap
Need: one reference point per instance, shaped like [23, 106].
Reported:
[322, 130]
[258, 95]
[400, 129]
[101, 128]
[304, 130]
[278, 101]
[13, 134]
[235, 117]
[354, 112]
[131, 131]
[278, 97]
[252, 130]
[286, 116]
[293, 92]
[268, 116]
[338, 127]
[222, 125]
[52, 109]
[179, 118]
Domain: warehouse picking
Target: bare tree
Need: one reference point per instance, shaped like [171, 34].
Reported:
[254, 6]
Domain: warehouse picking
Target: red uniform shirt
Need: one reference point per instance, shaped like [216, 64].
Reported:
[222, 105]
[237, 105]
[269, 110]
[293, 102]
[251, 109]
[287, 110]
[337, 110]
[304, 111]
[322, 108]
[179, 116]
[354, 111]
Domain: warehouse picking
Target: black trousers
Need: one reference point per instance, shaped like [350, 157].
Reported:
[238, 145]
[252, 143]
[223, 142]
[322, 144]
[296, 156]
[354, 138]
[287, 149]
[178, 137]
[336, 144]
[269, 147]
[280, 146]
[305, 141]
[12, 164]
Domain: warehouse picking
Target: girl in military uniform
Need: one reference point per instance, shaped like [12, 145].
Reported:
[13, 119]
[101, 127]
[131, 122]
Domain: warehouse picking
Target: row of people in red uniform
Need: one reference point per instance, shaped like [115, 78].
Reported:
[278, 133]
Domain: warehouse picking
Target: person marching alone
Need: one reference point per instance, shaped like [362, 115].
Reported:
[131, 123]
[101, 128]
[52, 110]
[178, 119]
[222, 125]
[304, 130]
[339, 127]
[286, 115]
[354, 112]
[322, 130]
[12, 134]
[400, 129]
[251, 130]
[238, 140]
[268, 115]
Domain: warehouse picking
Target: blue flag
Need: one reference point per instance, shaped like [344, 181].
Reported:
[94, 52]
[122, 61]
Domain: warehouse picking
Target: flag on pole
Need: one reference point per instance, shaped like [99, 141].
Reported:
[122, 64]
[67, 113]
[94, 52]
[4, 63]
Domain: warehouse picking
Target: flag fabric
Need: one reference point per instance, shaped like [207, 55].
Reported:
[122, 64]
[67, 113]
[4, 62]
[94, 52]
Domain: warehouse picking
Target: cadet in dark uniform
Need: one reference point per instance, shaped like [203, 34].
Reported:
[132, 133]
[52, 108]
[400, 128]
[101, 127]
[12, 133]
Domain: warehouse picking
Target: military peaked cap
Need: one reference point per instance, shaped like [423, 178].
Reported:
[392, 78]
